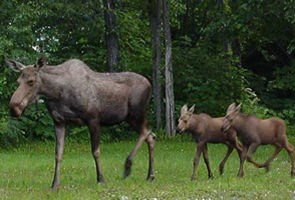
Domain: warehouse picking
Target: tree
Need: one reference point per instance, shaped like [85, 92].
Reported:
[155, 23]
[169, 90]
[111, 36]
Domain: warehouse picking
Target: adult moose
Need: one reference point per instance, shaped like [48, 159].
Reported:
[253, 132]
[206, 129]
[76, 94]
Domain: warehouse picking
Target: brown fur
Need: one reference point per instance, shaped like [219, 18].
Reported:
[253, 132]
[206, 129]
[75, 94]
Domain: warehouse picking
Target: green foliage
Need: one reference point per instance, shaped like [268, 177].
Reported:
[207, 68]
[284, 78]
[211, 82]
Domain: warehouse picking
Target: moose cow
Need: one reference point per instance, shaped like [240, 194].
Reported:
[253, 132]
[76, 94]
[206, 129]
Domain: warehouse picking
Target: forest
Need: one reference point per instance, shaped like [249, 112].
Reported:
[207, 53]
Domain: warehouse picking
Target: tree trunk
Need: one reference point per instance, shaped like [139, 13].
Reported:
[155, 20]
[111, 36]
[169, 91]
[237, 52]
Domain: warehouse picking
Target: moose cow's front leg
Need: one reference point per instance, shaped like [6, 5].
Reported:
[95, 140]
[59, 147]
[151, 145]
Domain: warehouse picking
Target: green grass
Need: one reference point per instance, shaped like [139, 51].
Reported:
[27, 172]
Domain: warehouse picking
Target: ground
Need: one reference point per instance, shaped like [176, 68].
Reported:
[26, 173]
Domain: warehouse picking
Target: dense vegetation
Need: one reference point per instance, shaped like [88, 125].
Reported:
[223, 51]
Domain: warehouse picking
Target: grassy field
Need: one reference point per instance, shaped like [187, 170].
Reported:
[26, 173]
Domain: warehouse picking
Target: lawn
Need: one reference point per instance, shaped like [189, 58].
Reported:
[27, 172]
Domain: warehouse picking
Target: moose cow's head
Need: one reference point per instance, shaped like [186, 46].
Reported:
[27, 90]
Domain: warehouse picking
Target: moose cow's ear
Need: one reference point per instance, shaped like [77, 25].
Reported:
[192, 109]
[41, 62]
[14, 65]
[183, 109]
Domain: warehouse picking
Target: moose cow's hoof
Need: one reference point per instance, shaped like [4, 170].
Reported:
[221, 171]
[126, 173]
[150, 178]
[240, 175]
[211, 177]
[128, 165]
[100, 180]
[54, 187]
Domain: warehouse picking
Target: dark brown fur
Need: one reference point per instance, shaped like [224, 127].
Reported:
[206, 129]
[75, 93]
[253, 132]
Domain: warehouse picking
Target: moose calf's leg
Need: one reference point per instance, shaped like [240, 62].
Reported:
[151, 145]
[95, 140]
[59, 147]
[266, 163]
[200, 148]
[251, 150]
[290, 148]
[239, 149]
[206, 159]
[242, 161]
[222, 163]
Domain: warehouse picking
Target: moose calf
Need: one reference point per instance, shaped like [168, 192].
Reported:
[206, 129]
[253, 132]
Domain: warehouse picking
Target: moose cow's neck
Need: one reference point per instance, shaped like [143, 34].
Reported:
[50, 83]
[56, 80]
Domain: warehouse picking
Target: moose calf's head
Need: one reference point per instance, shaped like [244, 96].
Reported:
[28, 86]
[231, 114]
[184, 119]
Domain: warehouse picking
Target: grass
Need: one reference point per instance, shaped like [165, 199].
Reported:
[27, 172]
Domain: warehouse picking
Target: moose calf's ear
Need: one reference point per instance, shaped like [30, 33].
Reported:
[41, 62]
[192, 109]
[14, 65]
[238, 108]
[183, 109]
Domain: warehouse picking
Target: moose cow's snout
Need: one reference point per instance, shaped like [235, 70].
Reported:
[16, 108]
[179, 130]
[15, 111]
